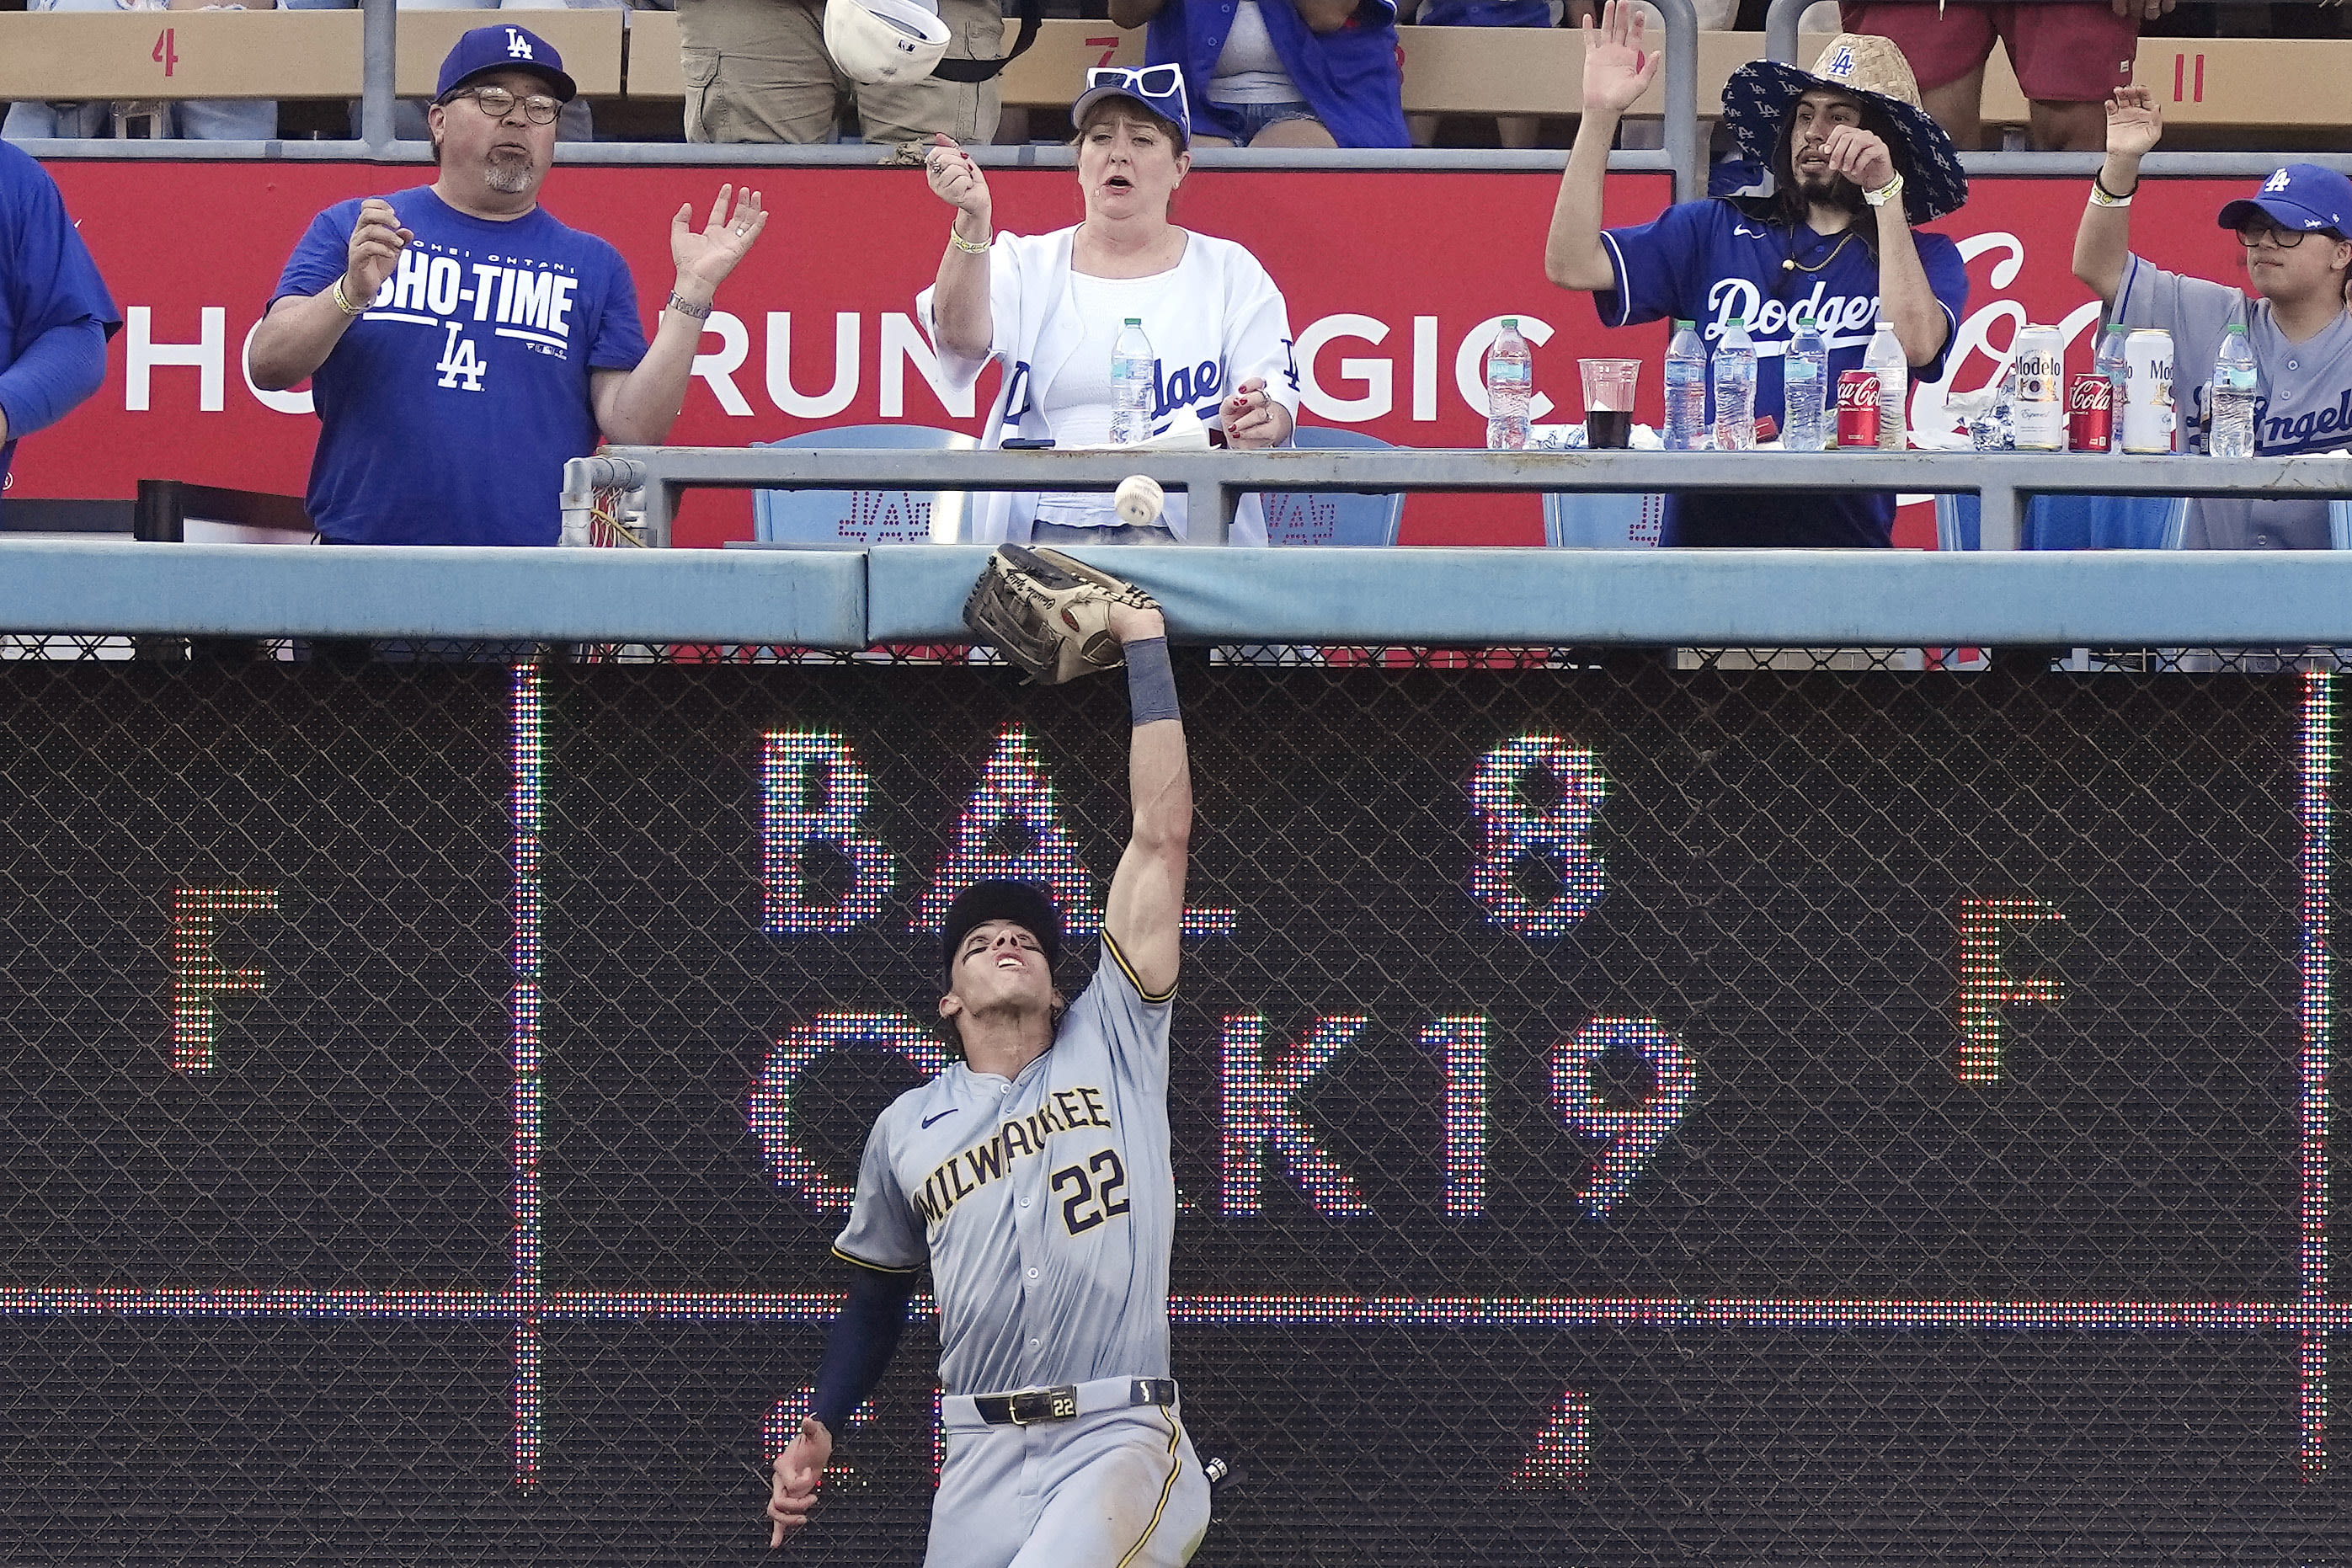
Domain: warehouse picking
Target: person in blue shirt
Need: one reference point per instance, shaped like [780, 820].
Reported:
[1280, 73]
[54, 312]
[1857, 165]
[462, 343]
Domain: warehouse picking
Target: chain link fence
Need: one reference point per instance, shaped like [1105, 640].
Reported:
[1629, 1106]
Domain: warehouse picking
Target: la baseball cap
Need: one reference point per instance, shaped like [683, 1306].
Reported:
[1025, 904]
[1160, 89]
[505, 47]
[2299, 197]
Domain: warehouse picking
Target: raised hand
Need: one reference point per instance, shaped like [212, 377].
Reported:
[799, 1468]
[957, 180]
[377, 240]
[1860, 155]
[1617, 70]
[705, 260]
[2133, 121]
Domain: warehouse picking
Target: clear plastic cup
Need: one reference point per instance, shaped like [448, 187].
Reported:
[1608, 400]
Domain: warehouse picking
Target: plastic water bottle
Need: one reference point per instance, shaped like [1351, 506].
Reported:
[2233, 396]
[1510, 383]
[1686, 390]
[1885, 356]
[2108, 359]
[1804, 376]
[1131, 362]
[1735, 388]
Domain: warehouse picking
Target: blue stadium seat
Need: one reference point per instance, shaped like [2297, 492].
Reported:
[1603, 520]
[863, 517]
[2097, 522]
[1300, 517]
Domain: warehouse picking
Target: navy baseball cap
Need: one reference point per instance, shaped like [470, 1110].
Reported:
[486, 51]
[1026, 904]
[1160, 89]
[2299, 197]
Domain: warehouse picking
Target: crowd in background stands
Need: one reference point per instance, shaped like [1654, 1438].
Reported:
[1266, 73]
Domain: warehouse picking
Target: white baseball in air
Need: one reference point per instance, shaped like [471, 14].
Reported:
[1138, 500]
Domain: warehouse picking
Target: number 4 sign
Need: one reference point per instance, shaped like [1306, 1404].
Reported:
[166, 52]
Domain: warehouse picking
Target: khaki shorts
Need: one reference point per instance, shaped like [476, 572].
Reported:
[756, 71]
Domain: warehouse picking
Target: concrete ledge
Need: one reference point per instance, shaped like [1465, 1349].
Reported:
[1760, 597]
[848, 599]
[557, 595]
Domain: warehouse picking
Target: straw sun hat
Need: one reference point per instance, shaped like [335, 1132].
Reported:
[1757, 98]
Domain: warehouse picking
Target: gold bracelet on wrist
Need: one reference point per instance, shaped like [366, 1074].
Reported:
[343, 300]
[1885, 192]
[967, 247]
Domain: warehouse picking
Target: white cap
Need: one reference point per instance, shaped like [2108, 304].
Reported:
[878, 42]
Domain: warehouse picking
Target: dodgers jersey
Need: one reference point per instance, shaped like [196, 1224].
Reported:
[448, 408]
[1709, 262]
[2302, 401]
[1045, 1203]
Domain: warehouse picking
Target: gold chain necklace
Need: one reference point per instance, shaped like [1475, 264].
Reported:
[1793, 264]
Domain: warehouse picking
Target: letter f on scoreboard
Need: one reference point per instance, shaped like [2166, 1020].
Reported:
[1987, 988]
[199, 979]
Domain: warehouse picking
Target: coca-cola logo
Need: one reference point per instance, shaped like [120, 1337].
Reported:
[1858, 389]
[2089, 391]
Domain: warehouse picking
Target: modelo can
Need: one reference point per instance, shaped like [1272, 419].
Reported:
[2090, 413]
[2148, 391]
[2038, 413]
[1857, 430]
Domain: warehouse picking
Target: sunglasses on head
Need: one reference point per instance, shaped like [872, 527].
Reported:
[1154, 85]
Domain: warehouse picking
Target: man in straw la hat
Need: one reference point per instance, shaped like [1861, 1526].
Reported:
[1855, 165]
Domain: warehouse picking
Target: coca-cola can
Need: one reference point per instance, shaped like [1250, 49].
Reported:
[2148, 391]
[2090, 413]
[1857, 411]
[2038, 416]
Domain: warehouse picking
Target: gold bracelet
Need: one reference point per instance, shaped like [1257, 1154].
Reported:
[1885, 192]
[967, 247]
[343, 300]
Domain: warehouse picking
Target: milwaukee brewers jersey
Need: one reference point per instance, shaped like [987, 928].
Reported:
[1045, 1203]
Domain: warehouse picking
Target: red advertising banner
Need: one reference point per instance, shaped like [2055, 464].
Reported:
[1395, 281]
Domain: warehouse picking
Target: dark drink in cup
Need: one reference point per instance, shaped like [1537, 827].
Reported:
[1611, 427]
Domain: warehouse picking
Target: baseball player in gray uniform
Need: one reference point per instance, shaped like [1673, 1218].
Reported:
[2293, 228]
[1034, 1177]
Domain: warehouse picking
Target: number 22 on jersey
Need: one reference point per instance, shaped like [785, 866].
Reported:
[1096, 1191]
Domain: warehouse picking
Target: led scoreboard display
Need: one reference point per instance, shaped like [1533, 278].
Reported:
[1622, 1115]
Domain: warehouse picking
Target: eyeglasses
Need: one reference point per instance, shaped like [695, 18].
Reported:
[2250, 235]
[498, 103]
[1162, 87]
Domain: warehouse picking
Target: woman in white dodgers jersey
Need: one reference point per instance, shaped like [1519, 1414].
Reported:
[1051, 306]
[1034, 1177]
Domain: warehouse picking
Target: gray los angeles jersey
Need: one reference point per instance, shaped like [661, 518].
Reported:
[1046, 1205]
[2304, 404]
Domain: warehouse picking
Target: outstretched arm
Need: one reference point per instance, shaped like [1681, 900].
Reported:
[2103, 243]
[1146, 914]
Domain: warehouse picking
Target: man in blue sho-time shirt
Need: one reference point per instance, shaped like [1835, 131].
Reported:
[462, 343]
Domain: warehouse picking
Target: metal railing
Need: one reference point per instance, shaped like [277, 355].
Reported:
[1215, 481]
[1683, 132]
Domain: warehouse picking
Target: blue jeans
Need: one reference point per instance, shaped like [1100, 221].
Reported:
[1256, 117]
